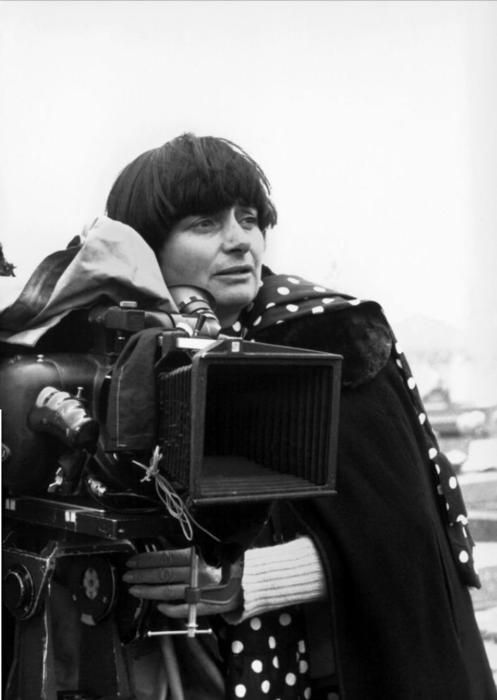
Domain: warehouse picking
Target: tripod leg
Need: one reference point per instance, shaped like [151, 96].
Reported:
[32, 676]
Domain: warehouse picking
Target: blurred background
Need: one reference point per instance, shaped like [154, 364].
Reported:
[374, 121]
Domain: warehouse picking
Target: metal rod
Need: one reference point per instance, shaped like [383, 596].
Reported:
[191, 625]
[161, 633]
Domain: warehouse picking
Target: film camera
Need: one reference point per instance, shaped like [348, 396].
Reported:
[165, 432]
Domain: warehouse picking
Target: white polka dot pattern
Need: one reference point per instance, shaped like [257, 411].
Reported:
[256, 666]
[274, 661]
[290, 679]
[256, 623]
[285, 619]
[303, 666]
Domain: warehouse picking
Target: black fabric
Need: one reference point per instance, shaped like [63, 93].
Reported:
[394, 540]
[293, 311]
[133, 402]
[361, 336]
[358, 329]
[404, 624]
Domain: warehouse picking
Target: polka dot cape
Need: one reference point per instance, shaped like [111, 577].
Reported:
[267, 657]
[285, 297]
[447, 486]
[282, 298]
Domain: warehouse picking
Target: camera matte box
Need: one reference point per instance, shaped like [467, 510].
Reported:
[246, 421]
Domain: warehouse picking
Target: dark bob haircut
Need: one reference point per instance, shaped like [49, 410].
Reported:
[187, 176]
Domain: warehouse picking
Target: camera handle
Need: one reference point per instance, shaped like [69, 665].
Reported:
[219, 594]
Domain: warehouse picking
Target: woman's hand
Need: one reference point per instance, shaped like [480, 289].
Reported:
[164, 576]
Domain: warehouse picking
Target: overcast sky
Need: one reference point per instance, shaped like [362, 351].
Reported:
[374, 121]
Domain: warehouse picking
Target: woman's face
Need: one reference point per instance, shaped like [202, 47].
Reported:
[219, 252]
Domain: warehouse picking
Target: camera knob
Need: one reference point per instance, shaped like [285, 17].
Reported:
[18, 591]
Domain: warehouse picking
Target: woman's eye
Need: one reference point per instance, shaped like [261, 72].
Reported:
[249, 220]
[204, 224]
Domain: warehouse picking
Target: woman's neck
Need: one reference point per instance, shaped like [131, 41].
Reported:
[228, 319]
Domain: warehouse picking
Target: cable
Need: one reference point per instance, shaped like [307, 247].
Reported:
[167, 494]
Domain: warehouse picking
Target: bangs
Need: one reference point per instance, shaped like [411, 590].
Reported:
[211, 174]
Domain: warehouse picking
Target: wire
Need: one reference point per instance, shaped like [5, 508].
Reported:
[167, 494]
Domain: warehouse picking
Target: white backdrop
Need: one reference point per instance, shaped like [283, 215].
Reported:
[375, 122]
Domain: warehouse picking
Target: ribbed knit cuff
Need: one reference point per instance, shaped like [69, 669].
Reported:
[280, 575]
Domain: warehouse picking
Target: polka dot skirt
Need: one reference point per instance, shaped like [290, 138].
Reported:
[266, 657]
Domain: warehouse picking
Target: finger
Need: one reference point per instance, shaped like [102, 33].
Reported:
[161, 574]
[166, 557]
[176, 611]
[175, 592]
[181, 610]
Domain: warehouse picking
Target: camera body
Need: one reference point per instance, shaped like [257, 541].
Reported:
[161, 401]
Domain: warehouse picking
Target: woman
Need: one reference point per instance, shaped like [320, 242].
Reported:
[384, 610]
[363, 595]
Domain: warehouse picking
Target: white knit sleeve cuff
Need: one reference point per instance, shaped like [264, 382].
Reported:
[280, 575]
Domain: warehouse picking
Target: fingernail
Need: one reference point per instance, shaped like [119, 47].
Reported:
[128, 577]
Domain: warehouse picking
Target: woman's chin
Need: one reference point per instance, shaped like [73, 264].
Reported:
[228, 312]
[230, 302]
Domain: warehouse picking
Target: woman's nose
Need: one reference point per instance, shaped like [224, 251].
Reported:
[235, 237]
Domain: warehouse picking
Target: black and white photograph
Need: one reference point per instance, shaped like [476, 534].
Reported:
[248, 349]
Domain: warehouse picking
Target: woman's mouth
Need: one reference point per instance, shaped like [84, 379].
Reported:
[235, 271]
